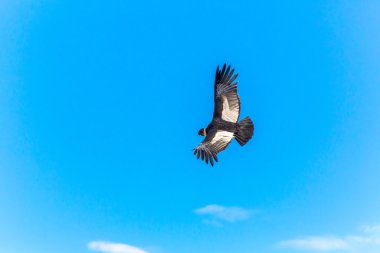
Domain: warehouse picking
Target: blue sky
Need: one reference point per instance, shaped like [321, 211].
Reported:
[101, 102]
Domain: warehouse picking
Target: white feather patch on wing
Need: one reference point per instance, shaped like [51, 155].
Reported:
[229, 114]
[223, 137]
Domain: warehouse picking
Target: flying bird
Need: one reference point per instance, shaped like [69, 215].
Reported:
[224, 126]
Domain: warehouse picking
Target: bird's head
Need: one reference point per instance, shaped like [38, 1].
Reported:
[202, 132]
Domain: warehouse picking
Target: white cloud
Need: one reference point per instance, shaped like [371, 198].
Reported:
[371, 229]
[364, 243]
[110, 247]
[215, 214]
[363, 239]
[316, 243]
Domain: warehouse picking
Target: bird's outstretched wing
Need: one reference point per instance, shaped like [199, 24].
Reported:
[227, 101]
[215, 141]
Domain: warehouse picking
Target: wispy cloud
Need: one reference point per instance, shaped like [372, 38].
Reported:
[367, 242]
[215, 214]
[110, 247]
[315, 243]
[371, 229]
[363, 239]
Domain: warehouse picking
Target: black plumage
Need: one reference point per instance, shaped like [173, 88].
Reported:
[224, 126]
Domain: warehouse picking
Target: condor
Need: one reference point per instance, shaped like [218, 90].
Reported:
[224, 126]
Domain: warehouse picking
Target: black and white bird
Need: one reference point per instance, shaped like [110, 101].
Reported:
[224, 126]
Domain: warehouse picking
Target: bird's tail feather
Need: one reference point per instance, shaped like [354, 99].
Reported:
[244, 131]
